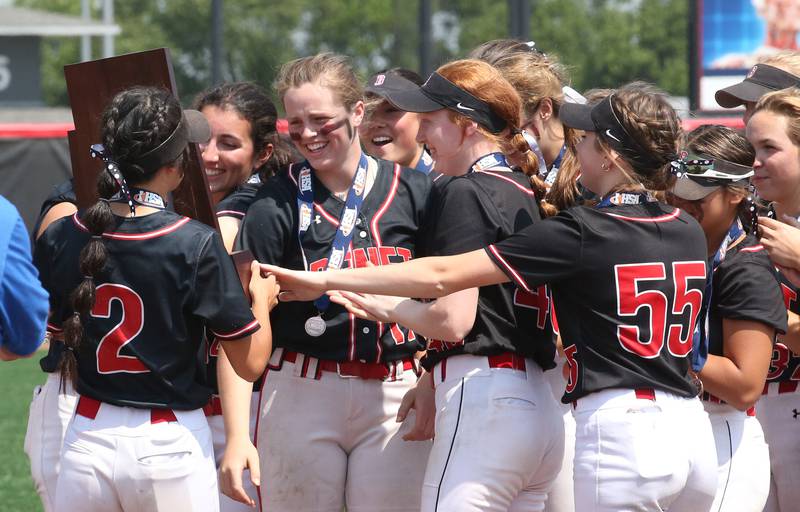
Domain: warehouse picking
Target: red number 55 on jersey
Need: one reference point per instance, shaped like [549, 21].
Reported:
[630, 299]
[109, 358]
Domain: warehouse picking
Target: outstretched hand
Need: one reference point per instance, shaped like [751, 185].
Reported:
[296, 285]
[378, 308]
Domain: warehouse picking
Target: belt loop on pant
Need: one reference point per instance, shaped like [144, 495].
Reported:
[646, 394]
[780, 388]
[89, 407]
[213, 407]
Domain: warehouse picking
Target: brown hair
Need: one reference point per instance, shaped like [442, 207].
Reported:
[652, 124]
[136, 121]
[487, 84]
[326, 69]
[564, 193]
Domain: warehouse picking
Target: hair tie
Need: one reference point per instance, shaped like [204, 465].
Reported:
[88, 277]
[97, 237]
[112, 168]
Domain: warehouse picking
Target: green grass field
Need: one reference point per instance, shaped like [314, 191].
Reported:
[17, 380]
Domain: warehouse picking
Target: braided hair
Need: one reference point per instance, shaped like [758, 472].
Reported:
[136, 121]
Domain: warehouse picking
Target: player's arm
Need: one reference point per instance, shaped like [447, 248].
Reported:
[424, 277]
[449, 318]
[56, 212]
[229, 228]
[739, 376]
[240, 453]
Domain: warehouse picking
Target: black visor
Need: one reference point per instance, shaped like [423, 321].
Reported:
[761, 79]
[438, 93]
[602, 119]
[192, 128]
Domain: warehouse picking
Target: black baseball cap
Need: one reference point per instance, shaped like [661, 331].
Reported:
[700, 175]
[760, 80]
[435, 94]
[386, 84]
[192, 128]
[602, 119]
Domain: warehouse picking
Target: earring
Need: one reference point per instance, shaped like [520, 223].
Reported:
[604, 166]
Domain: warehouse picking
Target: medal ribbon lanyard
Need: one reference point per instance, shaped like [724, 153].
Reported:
[489, 162]
[344, 232]
[701, 328]
[142, 197]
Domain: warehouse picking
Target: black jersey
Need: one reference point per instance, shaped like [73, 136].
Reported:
[386, 231]
[628, 283]
[745, 287]
[785, 364]
[473, 211]
[237, 202]
[167, 278]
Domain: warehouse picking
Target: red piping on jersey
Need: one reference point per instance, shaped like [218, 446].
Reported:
[505, 178]
[664, 218]
[138, 236]
[754, 248]
[255, 430]
[385, 206]
[230, 213]
[521, 282]
[252, 326]
[379, 242]
[330, 218]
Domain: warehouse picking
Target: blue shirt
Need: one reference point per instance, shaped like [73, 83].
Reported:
[23, 301]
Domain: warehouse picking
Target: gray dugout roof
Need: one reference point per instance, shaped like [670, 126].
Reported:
[17, 21]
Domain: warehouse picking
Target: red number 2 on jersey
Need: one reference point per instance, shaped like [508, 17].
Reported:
[630, 300]
[109, 359]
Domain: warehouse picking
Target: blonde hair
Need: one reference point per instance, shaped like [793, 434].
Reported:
[325, 69]
[787, 60]
[786, 103]
[487, 84]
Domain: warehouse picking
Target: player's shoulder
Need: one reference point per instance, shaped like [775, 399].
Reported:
[408, 177]
[281, 188]
[237, 202]
[749, 254]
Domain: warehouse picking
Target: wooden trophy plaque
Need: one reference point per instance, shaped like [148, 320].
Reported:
[91, 86]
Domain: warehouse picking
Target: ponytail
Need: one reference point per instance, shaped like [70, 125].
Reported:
[517, 150]
[92, 261]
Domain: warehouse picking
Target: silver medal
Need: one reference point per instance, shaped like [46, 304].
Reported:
[315, 326]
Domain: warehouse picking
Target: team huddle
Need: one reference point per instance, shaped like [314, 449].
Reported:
[480, 291]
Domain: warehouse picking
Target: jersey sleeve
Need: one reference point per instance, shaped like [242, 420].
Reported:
[237, 203]
[750, 290]
[218, 295]
[268, 228]
[544, 252]
[43, 261]
[464, 219]
[23, 304]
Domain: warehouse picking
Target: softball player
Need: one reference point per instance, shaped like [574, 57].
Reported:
[744, 310]
[121, 275]
[243, 139]
[389, 132]
[628, 277]
[51, 406]
[774, 131]
[540, 81]
[327, 435]
[487, 347]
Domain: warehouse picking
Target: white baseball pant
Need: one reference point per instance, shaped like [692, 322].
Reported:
[638, 454]
[779, 414]
[333, 442]
[499, 438]
[561, 497]
[742, 460]
[48, 418]
[127, 460]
